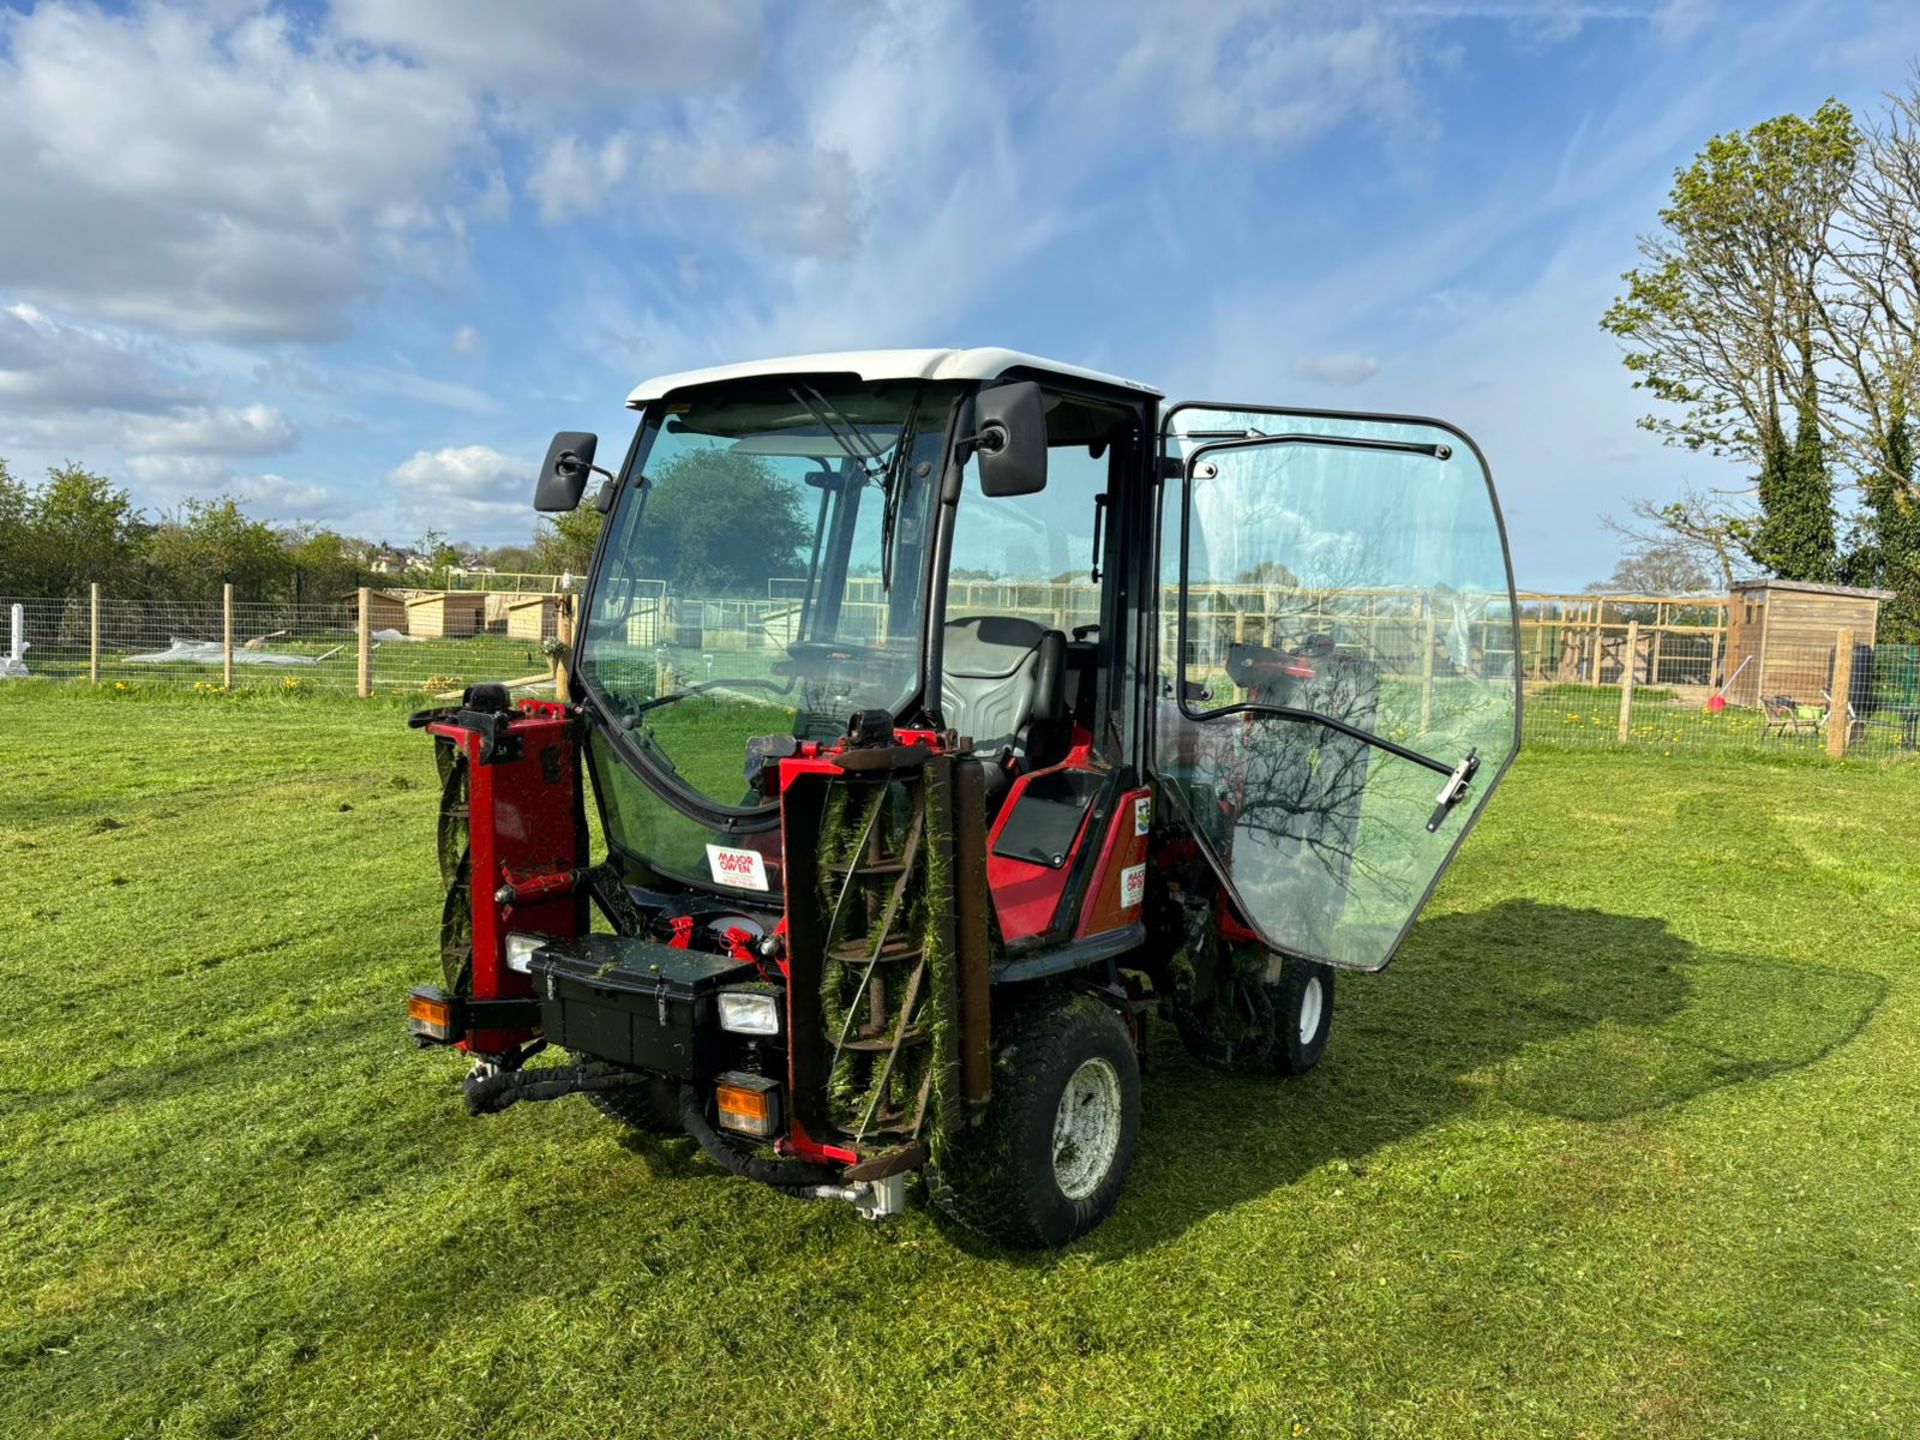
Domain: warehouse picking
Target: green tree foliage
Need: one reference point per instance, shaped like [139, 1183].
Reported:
[1794, 536]
[208, 544]
[75, 528]
[1724, 322]
[717, 523]
[564, 543]
[324, 565]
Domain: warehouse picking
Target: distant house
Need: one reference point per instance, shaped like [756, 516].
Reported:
[447, 613]
[1781, 636]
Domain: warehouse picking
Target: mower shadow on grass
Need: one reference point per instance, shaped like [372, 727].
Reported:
[1576, 1014]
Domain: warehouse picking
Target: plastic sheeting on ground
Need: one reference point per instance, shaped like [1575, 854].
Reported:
[390, 636]
[208, 652]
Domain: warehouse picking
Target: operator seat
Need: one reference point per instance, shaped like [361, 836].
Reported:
[1003, 682]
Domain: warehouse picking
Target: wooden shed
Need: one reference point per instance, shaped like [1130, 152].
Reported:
[1781, 635]
[533, 617]
[385, 610]
[447, 613]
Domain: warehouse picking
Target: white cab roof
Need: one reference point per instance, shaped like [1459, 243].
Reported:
[985, 363]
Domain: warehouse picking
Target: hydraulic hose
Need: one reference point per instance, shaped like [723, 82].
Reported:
[794, 1175]
[489, 1094]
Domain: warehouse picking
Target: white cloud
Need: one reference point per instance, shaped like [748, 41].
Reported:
[801, 199]
[164, 481]
[1274, 73]
[569, 55]
[472, 491]
[1346, 367]
[474, 475]
[465, 340]
[212, 430]
[50, 366]
[244, 182]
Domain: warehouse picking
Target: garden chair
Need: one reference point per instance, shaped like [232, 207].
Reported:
[1784, 717]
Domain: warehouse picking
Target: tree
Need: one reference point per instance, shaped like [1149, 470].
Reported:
[564, 543]
[1794, 537]
[80, 529]
[718, 523]
[1724, 323]
[1871, 312]
[323, 565]
[1703, 527]
[207, 544]
[1663, 566]
[15, 544]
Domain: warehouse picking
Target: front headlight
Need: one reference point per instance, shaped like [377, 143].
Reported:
[520, 948]
[750, 1012]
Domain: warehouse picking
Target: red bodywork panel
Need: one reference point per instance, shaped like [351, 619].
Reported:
[1119, 882]
[525, 849]
[1026, 895]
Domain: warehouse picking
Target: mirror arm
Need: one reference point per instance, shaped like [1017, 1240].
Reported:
[570, 462]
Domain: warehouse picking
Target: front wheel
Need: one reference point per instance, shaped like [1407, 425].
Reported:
[1244, 1011]
[1048, 1160]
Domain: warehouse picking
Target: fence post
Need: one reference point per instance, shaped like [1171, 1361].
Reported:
[1426, 669]
[563, 632]
[93, 633]
[364, 628]
[1839, 702]
[226, 637]
[1629, 662]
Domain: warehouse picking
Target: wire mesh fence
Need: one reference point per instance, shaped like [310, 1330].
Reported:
[420, 643]
[1642, 672]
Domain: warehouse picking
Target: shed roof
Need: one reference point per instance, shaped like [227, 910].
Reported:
[1808, 587]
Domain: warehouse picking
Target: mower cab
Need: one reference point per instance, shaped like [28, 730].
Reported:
[946, 713]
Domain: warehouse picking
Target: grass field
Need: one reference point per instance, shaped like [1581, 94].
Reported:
[1626, 1143]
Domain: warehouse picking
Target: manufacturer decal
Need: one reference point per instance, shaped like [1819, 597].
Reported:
[1143, 815]
[742, 869]
[1133, 886]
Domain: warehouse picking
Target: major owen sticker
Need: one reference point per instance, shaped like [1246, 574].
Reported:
[742, 869]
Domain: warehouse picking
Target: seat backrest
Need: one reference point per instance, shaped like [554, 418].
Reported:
[994, 675]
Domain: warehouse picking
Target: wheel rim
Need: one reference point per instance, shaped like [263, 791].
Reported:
[1311, 1003]
[1086, 1129]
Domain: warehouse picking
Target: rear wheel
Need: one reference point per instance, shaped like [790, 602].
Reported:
[652, 1105]
[1048, 1160]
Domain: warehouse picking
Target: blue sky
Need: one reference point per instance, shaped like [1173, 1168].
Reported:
[354, 263]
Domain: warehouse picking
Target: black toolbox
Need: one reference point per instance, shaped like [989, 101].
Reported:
[635, 1002]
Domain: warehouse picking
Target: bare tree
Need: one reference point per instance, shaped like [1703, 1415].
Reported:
[1870, 309]
[1702, 525]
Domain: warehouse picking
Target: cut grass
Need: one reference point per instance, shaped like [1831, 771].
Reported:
[1627, 1141]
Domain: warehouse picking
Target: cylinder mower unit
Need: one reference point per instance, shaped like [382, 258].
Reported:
[1071, 792]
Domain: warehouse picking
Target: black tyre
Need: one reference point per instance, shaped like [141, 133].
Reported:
[653, 1105]
[1245, 1012]
[1302, 1015]
[1048, 1160]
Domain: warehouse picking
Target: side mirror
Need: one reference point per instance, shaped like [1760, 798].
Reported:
[563, 475]
[1010, 439]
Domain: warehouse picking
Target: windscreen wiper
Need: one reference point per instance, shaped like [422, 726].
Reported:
[821, 408]
[894, 485]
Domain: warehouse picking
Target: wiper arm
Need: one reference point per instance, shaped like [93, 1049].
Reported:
[894, 484]
[820, 407]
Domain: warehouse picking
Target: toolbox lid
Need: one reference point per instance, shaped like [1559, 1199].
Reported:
[620, 962]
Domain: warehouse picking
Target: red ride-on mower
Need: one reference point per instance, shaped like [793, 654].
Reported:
[946, 712]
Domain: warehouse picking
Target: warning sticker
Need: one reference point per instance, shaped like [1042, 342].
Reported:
[1143, 815]
[1133, 886]
[744, 869]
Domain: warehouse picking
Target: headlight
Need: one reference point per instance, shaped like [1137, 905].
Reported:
[750, 1012]
[520, 950]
